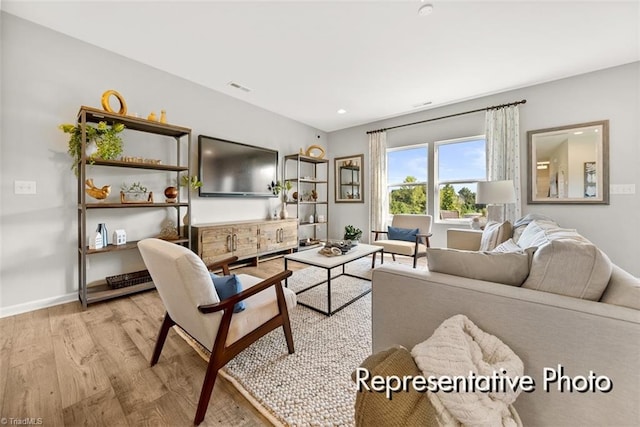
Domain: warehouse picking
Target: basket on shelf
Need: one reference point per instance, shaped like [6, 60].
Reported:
[128, 279]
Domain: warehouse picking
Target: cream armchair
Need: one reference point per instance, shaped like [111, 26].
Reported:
[189, 296]
[415, 248]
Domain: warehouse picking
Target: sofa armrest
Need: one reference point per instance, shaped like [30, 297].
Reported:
[544, 329]
[465, 239]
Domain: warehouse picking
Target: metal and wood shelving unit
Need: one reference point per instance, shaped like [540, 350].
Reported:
[309, 173]
[101, 292]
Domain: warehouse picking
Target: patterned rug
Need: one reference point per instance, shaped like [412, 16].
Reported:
[313, 386]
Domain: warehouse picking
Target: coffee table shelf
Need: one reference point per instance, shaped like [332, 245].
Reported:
[315, 259]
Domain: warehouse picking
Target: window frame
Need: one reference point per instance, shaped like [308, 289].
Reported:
[437, 183]
[390, 185]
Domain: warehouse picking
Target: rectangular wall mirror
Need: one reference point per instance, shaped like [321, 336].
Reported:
[349, 179]
[569, 164]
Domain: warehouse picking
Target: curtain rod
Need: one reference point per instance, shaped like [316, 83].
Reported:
[495, 107]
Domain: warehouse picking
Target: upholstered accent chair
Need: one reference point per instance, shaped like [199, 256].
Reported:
[190, 298]
[413, 244]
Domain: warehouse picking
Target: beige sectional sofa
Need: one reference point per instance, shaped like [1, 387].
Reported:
[594, 333]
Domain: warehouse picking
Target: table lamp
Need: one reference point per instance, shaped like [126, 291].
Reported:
[495, 194]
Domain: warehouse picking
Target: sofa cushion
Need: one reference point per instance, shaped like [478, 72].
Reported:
[494, 233]
[569, 266]
[623, 289]
[506, 268]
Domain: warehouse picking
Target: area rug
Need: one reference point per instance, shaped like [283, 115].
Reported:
[313, 386]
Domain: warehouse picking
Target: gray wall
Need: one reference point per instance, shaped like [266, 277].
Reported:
[46, 77]
[612, 94]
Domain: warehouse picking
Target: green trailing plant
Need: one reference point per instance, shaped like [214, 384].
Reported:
[352, 233]
[190, 181]
[108, 142]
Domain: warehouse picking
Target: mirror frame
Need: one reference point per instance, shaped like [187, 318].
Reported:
[604, 161]
[356, 163]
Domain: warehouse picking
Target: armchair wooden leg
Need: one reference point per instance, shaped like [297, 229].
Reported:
[415, 260]
[207, 387]
[373, 261]
[288, 335]
[393, 256]
[167, 323]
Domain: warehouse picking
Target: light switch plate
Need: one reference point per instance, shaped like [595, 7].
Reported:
[24, 187]
[623, 189]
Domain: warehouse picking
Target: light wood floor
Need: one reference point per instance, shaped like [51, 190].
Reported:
[71, 367]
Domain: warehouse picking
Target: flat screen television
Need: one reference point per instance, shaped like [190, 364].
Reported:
[229, 169]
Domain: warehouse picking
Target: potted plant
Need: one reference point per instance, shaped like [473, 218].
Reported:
[103, 142]
[352, 233]
[190, 181]
[135, 193]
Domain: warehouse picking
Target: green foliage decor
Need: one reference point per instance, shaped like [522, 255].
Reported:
[352, 233]
[108, 142]
[190, 181]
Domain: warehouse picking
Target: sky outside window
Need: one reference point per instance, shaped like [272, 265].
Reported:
[407, 162]
[463, 160]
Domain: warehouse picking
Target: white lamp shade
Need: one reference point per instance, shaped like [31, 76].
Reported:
[495, 192]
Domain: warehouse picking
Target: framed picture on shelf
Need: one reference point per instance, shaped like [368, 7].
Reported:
[349, 179]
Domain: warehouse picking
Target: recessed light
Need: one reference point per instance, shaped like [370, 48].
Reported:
[578, 133]
[239, 86]
[342, 111]
[421, 104]
[425, 9]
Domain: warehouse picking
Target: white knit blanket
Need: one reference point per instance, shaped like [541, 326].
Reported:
[459, 347]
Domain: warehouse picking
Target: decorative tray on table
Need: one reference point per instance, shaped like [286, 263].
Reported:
[336, 247]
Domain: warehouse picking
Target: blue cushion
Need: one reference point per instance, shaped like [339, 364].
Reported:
[407, 234]
[226, 287]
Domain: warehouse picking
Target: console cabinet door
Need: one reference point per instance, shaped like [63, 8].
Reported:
[270, 236]
[216, 243]
[289, 235]
[245, 241]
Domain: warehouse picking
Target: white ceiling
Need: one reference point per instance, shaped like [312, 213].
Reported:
[307, 59]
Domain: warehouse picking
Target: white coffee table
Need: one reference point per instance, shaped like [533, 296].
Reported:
[314, 258]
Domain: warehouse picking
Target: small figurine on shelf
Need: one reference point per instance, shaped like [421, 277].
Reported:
[171, 194]
[95, 192]
[169, 231]
[152, 116]
[163, 116]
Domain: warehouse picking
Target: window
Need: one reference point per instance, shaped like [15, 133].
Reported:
[460, 164]
[407, 171]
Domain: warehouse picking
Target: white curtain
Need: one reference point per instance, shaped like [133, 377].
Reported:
[503, 152]
[379, 205]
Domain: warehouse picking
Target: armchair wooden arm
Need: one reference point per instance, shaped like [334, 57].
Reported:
[224, 264]
[377, 233]
[231, 301]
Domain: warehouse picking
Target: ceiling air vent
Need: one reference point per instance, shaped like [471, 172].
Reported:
[239, 86]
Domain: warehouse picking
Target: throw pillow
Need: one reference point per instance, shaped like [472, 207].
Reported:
[623, 289]
[494, 233]
[507, 246]
[406, 408]
[226, 287]
[406, 234]
[569, 267]
[506, 268]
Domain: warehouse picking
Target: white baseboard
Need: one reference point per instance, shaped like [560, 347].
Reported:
[36, 305]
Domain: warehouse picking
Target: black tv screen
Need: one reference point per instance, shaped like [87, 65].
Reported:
[230, 168]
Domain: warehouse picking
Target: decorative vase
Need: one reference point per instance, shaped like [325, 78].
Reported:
[185, 219]
[284, 214]
[171, 193]
[102, 229]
